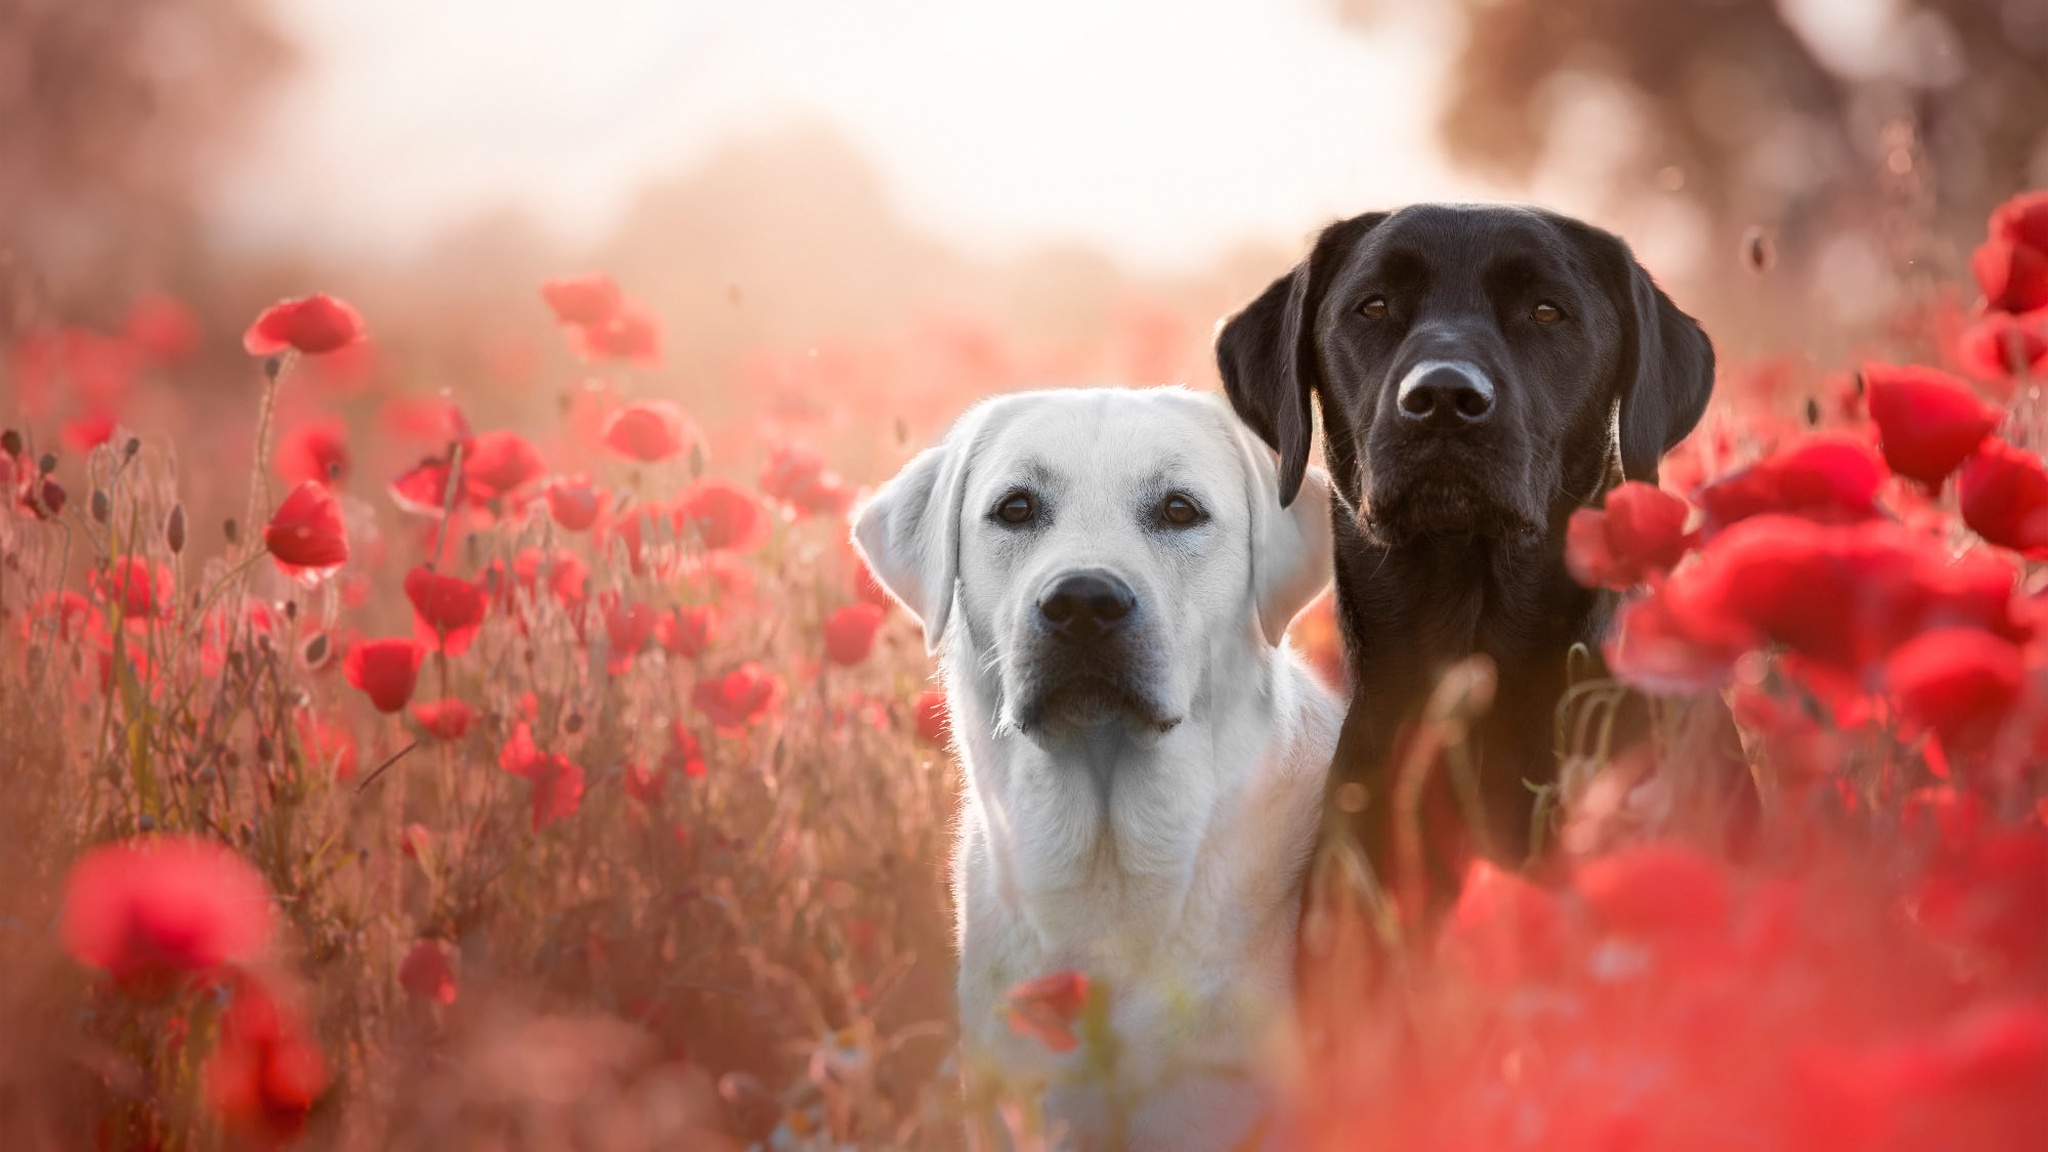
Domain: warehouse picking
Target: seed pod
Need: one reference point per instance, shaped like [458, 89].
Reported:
[1759, 253]
[174, 529]
[47, 464]
[264, 748]
[291, 609]
[573, 724]
[145, 823]
[129, 449]
[231, 530]
[101, 506]
[1812, 412]
[272, 366]
[10, 442]
[316, 649]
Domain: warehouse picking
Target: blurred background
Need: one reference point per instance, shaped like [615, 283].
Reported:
[1053, 189]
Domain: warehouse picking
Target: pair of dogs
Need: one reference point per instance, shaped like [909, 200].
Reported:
[1108, 577]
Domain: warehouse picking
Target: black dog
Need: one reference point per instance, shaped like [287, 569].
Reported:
[1482, 372]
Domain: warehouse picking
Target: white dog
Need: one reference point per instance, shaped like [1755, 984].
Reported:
[1109, 576]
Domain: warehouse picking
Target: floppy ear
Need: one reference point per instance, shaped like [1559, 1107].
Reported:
[909, 532]
[1267, 357]
[1290, 546]
[1666, 370]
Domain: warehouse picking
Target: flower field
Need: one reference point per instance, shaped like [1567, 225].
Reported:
[568, 785]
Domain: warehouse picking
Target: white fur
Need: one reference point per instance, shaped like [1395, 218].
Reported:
[1165, 865]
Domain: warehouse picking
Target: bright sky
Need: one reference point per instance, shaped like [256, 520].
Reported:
[1162, 131]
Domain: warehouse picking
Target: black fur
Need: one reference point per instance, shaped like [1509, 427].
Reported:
[1451, 543]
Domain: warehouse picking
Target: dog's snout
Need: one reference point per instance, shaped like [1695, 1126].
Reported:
[1084, 605]
[1446, 396]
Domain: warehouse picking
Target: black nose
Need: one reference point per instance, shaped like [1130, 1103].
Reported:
[1447, 397]
[1084, 605]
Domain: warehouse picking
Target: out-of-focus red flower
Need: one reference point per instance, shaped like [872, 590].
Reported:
[573, 501]
[566, 576]
[797, 476]
[384, 670]
[2001, 345]
[306, 535]
[448, 719]
[311, 324]
[156, 911]
[649, 431]
[1800, 750]
[87, 432]
[2012, 263]
[1048, 1008]
[1504, 928]
[627, 625]
[267, 1072]
[1928, 422]
[141, 588]
[73, 614]
[1827, 478]
[866, 588]
[428, 420]
[316, 451]
[589, 298]
[1992, 895]
[423, 488]
[1961, 682]
[632, 334]
[426, 973]
[850, 633]
[738, 699]
[447, 613]
[722, 515]
[327, 746]
[162, 327]
[2003, 492]
[557, 781]
[647, 785]
[496, 463]
[719, 578]
[1639, 533]
[1661, 893]
[685, 755]
[932, 718]
[685, 631]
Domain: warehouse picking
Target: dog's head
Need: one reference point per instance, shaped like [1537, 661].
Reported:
[1095, 552]
[1473, 366]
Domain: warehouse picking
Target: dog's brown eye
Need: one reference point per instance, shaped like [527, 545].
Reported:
[1178, 511]
[1545, 313]
[1374, 308]
[1017, 508]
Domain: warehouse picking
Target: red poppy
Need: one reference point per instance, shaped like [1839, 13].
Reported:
[72, 613]
[423, 488]
[647, 785]
[311, 324]
[1827, 478]
[426, 973]
[164, 328]
[1048, 1008]
[591, 298]
[328, 748]
[932, 718]
[2001, 345]
[496, 463]
[447, 613]
[797, 476]
[1639, 533]
[739, 699]
[567, 576]
[2012, 263]
[850, 633]
[155, 911]
[1505, 929]
[448, 719]
[384, 670]
[429, 420]
[685, 754]
[866, 588]
[573, 501]
[1960, 682]
[649, 431]
[632, 333]
[722, 516]
[1992, 895]
[1658, 893]
[267, 1072]
[317, 451]
[141, 588]
[87, 432]
[1928, 421]
[2003, 492]
[306, 535]
[685, 631]
[627, 625]
[557, 781]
